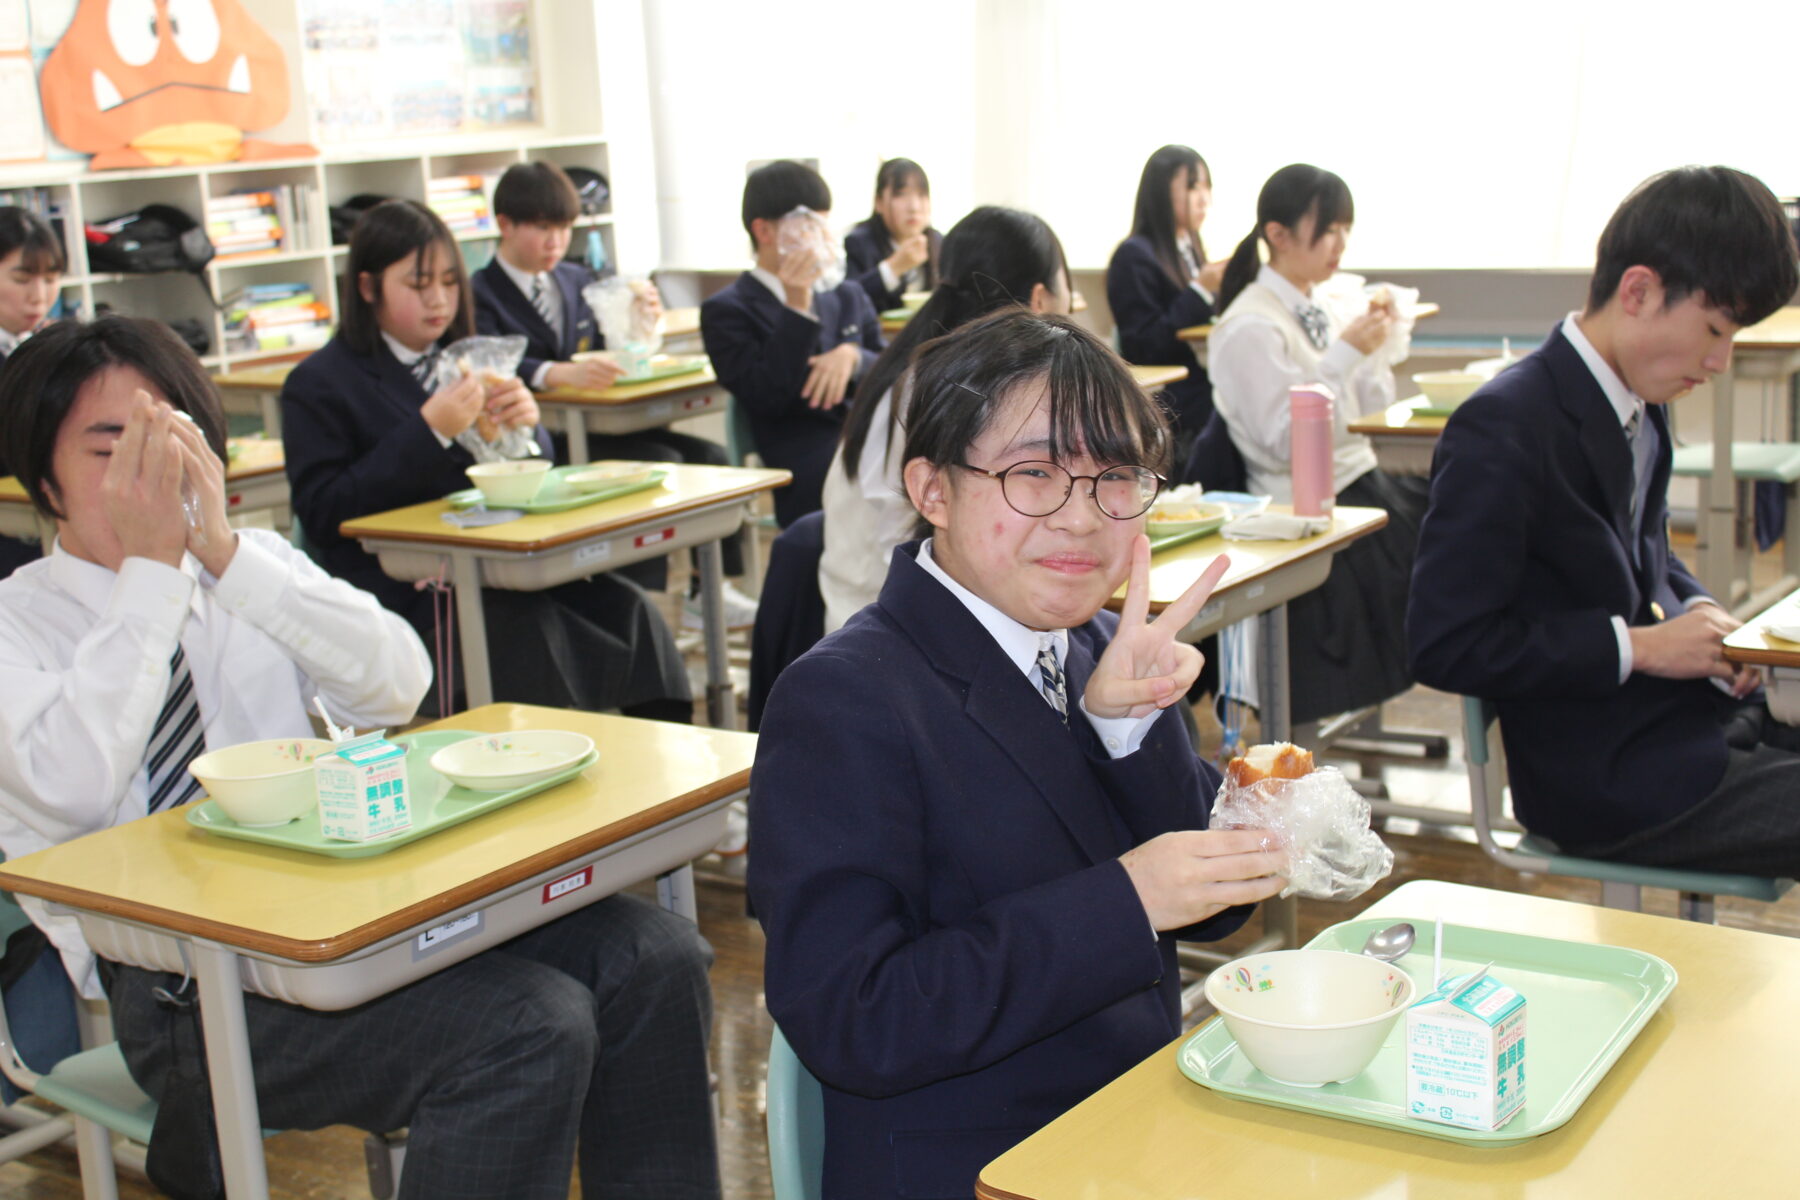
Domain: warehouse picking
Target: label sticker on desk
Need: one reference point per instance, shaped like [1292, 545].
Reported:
[1211, 611]
[234, 499]
[558, 888]
[661, 408]
[597, 552]
[449, 933]
[697, 402]
[651, 539]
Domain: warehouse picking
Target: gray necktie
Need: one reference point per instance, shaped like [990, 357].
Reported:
[1643, 447]
[177, 739]
[424, 368]
[1312, 319]
[1055, 686]
[544, 300]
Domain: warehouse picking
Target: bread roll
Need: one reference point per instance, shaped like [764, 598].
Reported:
[1271, 760]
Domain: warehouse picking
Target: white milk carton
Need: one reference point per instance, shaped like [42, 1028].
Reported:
[1465, 1053]
[362, 789]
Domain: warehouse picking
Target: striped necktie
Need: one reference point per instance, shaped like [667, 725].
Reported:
[1055, 686]
[178, 739]
[544, 300]
[1312, 319]
[424, 368]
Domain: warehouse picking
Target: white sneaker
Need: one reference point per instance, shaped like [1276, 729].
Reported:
[740, 610]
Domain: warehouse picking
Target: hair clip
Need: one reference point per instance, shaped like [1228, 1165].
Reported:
[965, 387]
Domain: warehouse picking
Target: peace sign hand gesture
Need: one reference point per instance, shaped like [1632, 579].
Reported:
[1146, 668]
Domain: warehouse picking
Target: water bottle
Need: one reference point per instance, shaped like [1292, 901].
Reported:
[596, 253]
[1310, 444]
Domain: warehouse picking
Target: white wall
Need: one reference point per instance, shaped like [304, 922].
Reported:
[1492, 136]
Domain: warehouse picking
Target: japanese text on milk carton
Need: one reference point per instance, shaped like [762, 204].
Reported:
[362, 789]
[1465, 1054]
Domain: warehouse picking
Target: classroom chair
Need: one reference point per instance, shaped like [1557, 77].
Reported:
[1621, 884]
[796, 1124]
[1753, 463]
[740, 448]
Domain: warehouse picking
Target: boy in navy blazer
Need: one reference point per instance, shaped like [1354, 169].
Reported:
[788, 349]
[529, 289]
[1544, 580]
[979, 830]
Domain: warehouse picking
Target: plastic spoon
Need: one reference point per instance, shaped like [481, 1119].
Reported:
[337, 734]
[1392, 943]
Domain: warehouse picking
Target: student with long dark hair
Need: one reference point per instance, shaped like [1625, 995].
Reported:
[993, 258]
[31, 270]
[1160, 282]
[366, 428]
[1349, 643]
[895, 250]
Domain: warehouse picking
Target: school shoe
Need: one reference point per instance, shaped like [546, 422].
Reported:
[740, 610]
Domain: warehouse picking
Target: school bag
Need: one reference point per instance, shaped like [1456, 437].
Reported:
[156, 237]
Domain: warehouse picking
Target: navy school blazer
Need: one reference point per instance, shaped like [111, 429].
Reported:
[759, 349]
[868, 244]
[502, 309]
[355, 444]
[953, 947]
[1524, 557]
[1149, 308]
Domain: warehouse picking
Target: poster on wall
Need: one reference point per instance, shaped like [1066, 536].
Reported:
[402, 68]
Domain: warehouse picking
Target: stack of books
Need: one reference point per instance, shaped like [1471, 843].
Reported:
[245, 223]
[462, 202]
[270, 317]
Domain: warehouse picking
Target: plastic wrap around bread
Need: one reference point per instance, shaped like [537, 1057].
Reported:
[1310, 812]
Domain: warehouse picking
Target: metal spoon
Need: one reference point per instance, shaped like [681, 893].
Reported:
[1391, 943]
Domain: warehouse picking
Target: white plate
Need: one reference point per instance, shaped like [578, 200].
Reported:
[1787, 631]
[500, 762]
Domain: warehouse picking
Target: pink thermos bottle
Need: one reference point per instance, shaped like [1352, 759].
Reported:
[1310, 434]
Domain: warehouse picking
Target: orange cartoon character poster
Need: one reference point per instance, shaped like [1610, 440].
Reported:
[141, 83]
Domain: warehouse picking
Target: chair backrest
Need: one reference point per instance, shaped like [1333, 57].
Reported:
[791, 615]
[796, 1124]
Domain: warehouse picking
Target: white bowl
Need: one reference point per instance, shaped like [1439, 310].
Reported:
[609, 475]
[262, 783]
[505, 483]
[1181, 516]
[1309, 1017]
[1447, 389]
[500, 762]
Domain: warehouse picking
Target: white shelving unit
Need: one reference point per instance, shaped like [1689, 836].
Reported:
[585, 67]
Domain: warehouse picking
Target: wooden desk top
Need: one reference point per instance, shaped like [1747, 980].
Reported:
[633, 393]
[894, 324]
[1754, 644]
[257, 456]
[686, 489]
[681, 322]
[1199, 333]
[266, 377]
[1155, 377]
[1173, 571]
[1399, 420]
[310, 908]
[1702, 1073]
[1780, 331]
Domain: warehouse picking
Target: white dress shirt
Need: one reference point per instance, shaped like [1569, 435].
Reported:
[84, 669]
[1120, 735]
[772, 281]
[865, 518]
[1626, 404]
[525, 281]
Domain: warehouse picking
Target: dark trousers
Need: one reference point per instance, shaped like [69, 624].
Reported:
[1749, 823]
[592, 1029]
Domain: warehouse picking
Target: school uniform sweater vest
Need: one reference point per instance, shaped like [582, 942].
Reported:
[1351, 454]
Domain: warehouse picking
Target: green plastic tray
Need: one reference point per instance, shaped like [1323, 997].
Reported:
[663, 368]
[437, 805]
[1428, 411]
[556, 495]
[1204, 529]
[1586, 1003]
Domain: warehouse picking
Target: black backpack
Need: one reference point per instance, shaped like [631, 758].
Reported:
[157, 237]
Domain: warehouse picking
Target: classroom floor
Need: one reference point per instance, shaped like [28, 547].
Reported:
[327, 1165]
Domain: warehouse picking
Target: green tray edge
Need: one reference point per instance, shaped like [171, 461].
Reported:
[556, 506]
[690, 367]
[1352, 934]
[1172, 540]
[429, 741]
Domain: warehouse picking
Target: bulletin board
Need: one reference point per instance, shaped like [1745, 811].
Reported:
[379, 69]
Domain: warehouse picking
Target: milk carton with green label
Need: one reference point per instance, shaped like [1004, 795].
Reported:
[362, 789]
[1465, 1053]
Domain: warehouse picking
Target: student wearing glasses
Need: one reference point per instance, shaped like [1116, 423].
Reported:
[979, 829]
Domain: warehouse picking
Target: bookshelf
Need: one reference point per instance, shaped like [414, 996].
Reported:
[585, 68]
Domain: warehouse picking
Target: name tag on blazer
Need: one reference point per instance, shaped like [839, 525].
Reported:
[850, 332]
[585, 344]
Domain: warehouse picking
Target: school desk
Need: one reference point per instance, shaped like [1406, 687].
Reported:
[331, 933]
[893, 321]
[256, 391]
[1152, 378]
[629, 408]
[1262, 578]
[1200, 333]
[256, 482]
[1403, 440]
[1690, 1109]
[1767, 353]
[695, 506]
[1754, 645]
[681, 330]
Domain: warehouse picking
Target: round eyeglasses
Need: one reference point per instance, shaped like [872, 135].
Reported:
[1037, 489]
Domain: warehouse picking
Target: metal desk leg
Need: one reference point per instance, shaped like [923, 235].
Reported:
[675, 892]
[575, 425]
[271, 413]
[1281, 918]
[721, 705]
[228, 1062]
[471, 625]
[1718, 499]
